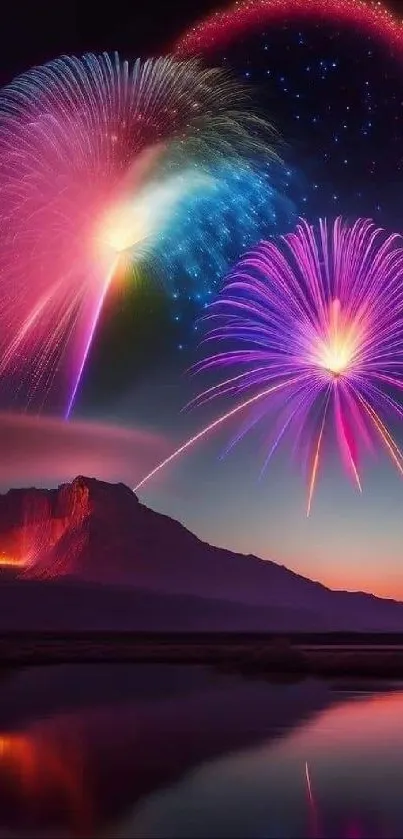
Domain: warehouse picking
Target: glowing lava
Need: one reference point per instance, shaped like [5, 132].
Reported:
[8, 561]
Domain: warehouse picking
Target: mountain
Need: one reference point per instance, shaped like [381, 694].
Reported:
[90, 555]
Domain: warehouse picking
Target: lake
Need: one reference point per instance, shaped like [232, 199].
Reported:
[166, 751]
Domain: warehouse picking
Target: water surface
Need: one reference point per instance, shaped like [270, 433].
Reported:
[163, 751]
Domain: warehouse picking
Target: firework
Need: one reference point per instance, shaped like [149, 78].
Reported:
[315, 319]
[223, 26]
[96, 159]
[213, 228]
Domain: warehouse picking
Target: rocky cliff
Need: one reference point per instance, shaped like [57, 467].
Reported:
[48, 533]
[96, 534]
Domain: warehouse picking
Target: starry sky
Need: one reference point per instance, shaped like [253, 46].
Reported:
[336, 95]
[338, 99]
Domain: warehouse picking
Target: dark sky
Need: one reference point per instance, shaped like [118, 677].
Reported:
[337, 97]
[37, 32]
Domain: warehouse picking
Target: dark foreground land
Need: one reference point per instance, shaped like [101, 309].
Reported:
[332, 654]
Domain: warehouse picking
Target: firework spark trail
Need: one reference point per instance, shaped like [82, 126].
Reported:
[223, 26]
[98, 159]
[313, 810]
[385, 435]
[91, 333]
[320, 311]
[211, 427]
[315, 464]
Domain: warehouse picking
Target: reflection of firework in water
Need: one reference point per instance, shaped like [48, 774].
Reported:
[315, 320]
[96, 157]
[313, 813]
[351, 829]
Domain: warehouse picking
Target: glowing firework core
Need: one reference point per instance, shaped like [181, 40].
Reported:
[336, 358]
[122, 228]
[338, 351]
[132, 221]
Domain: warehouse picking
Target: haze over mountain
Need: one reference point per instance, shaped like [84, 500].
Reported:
[90, 555]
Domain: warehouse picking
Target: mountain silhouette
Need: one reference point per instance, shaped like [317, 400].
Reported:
[90, 555]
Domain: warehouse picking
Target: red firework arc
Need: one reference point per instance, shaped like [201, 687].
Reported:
[225, 25]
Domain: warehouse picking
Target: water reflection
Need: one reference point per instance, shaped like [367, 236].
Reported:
[362, 796]
[180, 752]
[41, 782]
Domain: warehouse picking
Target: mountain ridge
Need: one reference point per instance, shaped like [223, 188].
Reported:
[92, 532]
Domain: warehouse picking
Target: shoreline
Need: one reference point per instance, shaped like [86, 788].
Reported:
[300, 656]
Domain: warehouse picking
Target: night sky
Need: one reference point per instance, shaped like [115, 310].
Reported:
[336, 95]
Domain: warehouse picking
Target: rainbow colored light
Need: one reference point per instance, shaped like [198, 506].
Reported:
[97, 158]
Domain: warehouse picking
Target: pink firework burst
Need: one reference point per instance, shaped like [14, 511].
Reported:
[94, 156]
[312, 327]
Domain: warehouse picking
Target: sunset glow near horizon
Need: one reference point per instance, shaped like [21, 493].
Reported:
[341, 545]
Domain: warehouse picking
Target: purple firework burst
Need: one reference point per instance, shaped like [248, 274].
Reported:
[311, 328]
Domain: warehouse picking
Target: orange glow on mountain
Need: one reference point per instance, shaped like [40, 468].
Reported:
[9, 561]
